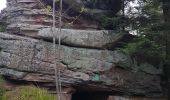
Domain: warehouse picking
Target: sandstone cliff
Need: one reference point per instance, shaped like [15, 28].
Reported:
[87, 64]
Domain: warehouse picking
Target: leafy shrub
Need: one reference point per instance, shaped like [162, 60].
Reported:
[112, 22]
[28, 93]
[145, 50]
[2, 88]
[2, 28]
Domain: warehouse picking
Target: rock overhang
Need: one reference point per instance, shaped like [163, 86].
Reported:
[29, 59]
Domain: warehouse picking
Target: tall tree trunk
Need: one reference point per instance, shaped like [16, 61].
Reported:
[166, 11]
[123, 14]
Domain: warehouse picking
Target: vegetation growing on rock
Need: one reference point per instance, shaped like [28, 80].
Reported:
[2, 28]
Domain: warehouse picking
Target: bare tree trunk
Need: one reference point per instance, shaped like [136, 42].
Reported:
[123, 14]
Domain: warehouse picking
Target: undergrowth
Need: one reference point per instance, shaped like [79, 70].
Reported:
[28, 93]
[2, 28]
[2, 87]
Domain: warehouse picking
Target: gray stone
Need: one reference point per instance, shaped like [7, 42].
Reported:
[12, 73]
[84, 63]
[83, 38]
[149, 69]
[32, 60]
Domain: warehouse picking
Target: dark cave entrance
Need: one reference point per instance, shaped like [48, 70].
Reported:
[89, 96]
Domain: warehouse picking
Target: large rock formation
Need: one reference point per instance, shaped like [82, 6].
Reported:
[91, 8]
[31, 15]
[87, 65]
[84, 38]
[98, 70]
[32, 60]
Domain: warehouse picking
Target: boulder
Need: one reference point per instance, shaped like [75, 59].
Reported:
[32, 60]
[83, 38]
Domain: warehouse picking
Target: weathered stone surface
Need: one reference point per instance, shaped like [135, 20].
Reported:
[83, 38]
[111, 5]
[86, 64]
[93, 8]
[32, 60]
[31, 15]
[67, 93]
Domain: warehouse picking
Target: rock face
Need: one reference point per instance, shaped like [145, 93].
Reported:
[83, 38]
[92, 8]
[31, 15]
[30, 59]
[87, 65]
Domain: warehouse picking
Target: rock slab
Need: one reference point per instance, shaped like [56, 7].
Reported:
[83, 38]
[32, 60]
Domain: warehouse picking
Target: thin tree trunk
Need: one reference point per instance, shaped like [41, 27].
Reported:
[123, 11]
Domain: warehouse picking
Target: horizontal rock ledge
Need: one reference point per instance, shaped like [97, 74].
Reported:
[83, 38]
[32, 60]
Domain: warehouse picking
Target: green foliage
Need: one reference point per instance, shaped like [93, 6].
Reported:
[2, 88]
[2, 28]
[28, 93]
[49, 8]
[148, 18]
[110, 22]
[145, 50]
[2, 92]
[149, 46]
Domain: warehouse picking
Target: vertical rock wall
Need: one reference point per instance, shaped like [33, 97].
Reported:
[25, 15]
[30, 16]
[85, 65]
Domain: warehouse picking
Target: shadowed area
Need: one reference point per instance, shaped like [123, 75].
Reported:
[89, 96]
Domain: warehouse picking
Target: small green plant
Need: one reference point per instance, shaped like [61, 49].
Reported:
[2, 28]
[2, 88]
[28, 93]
